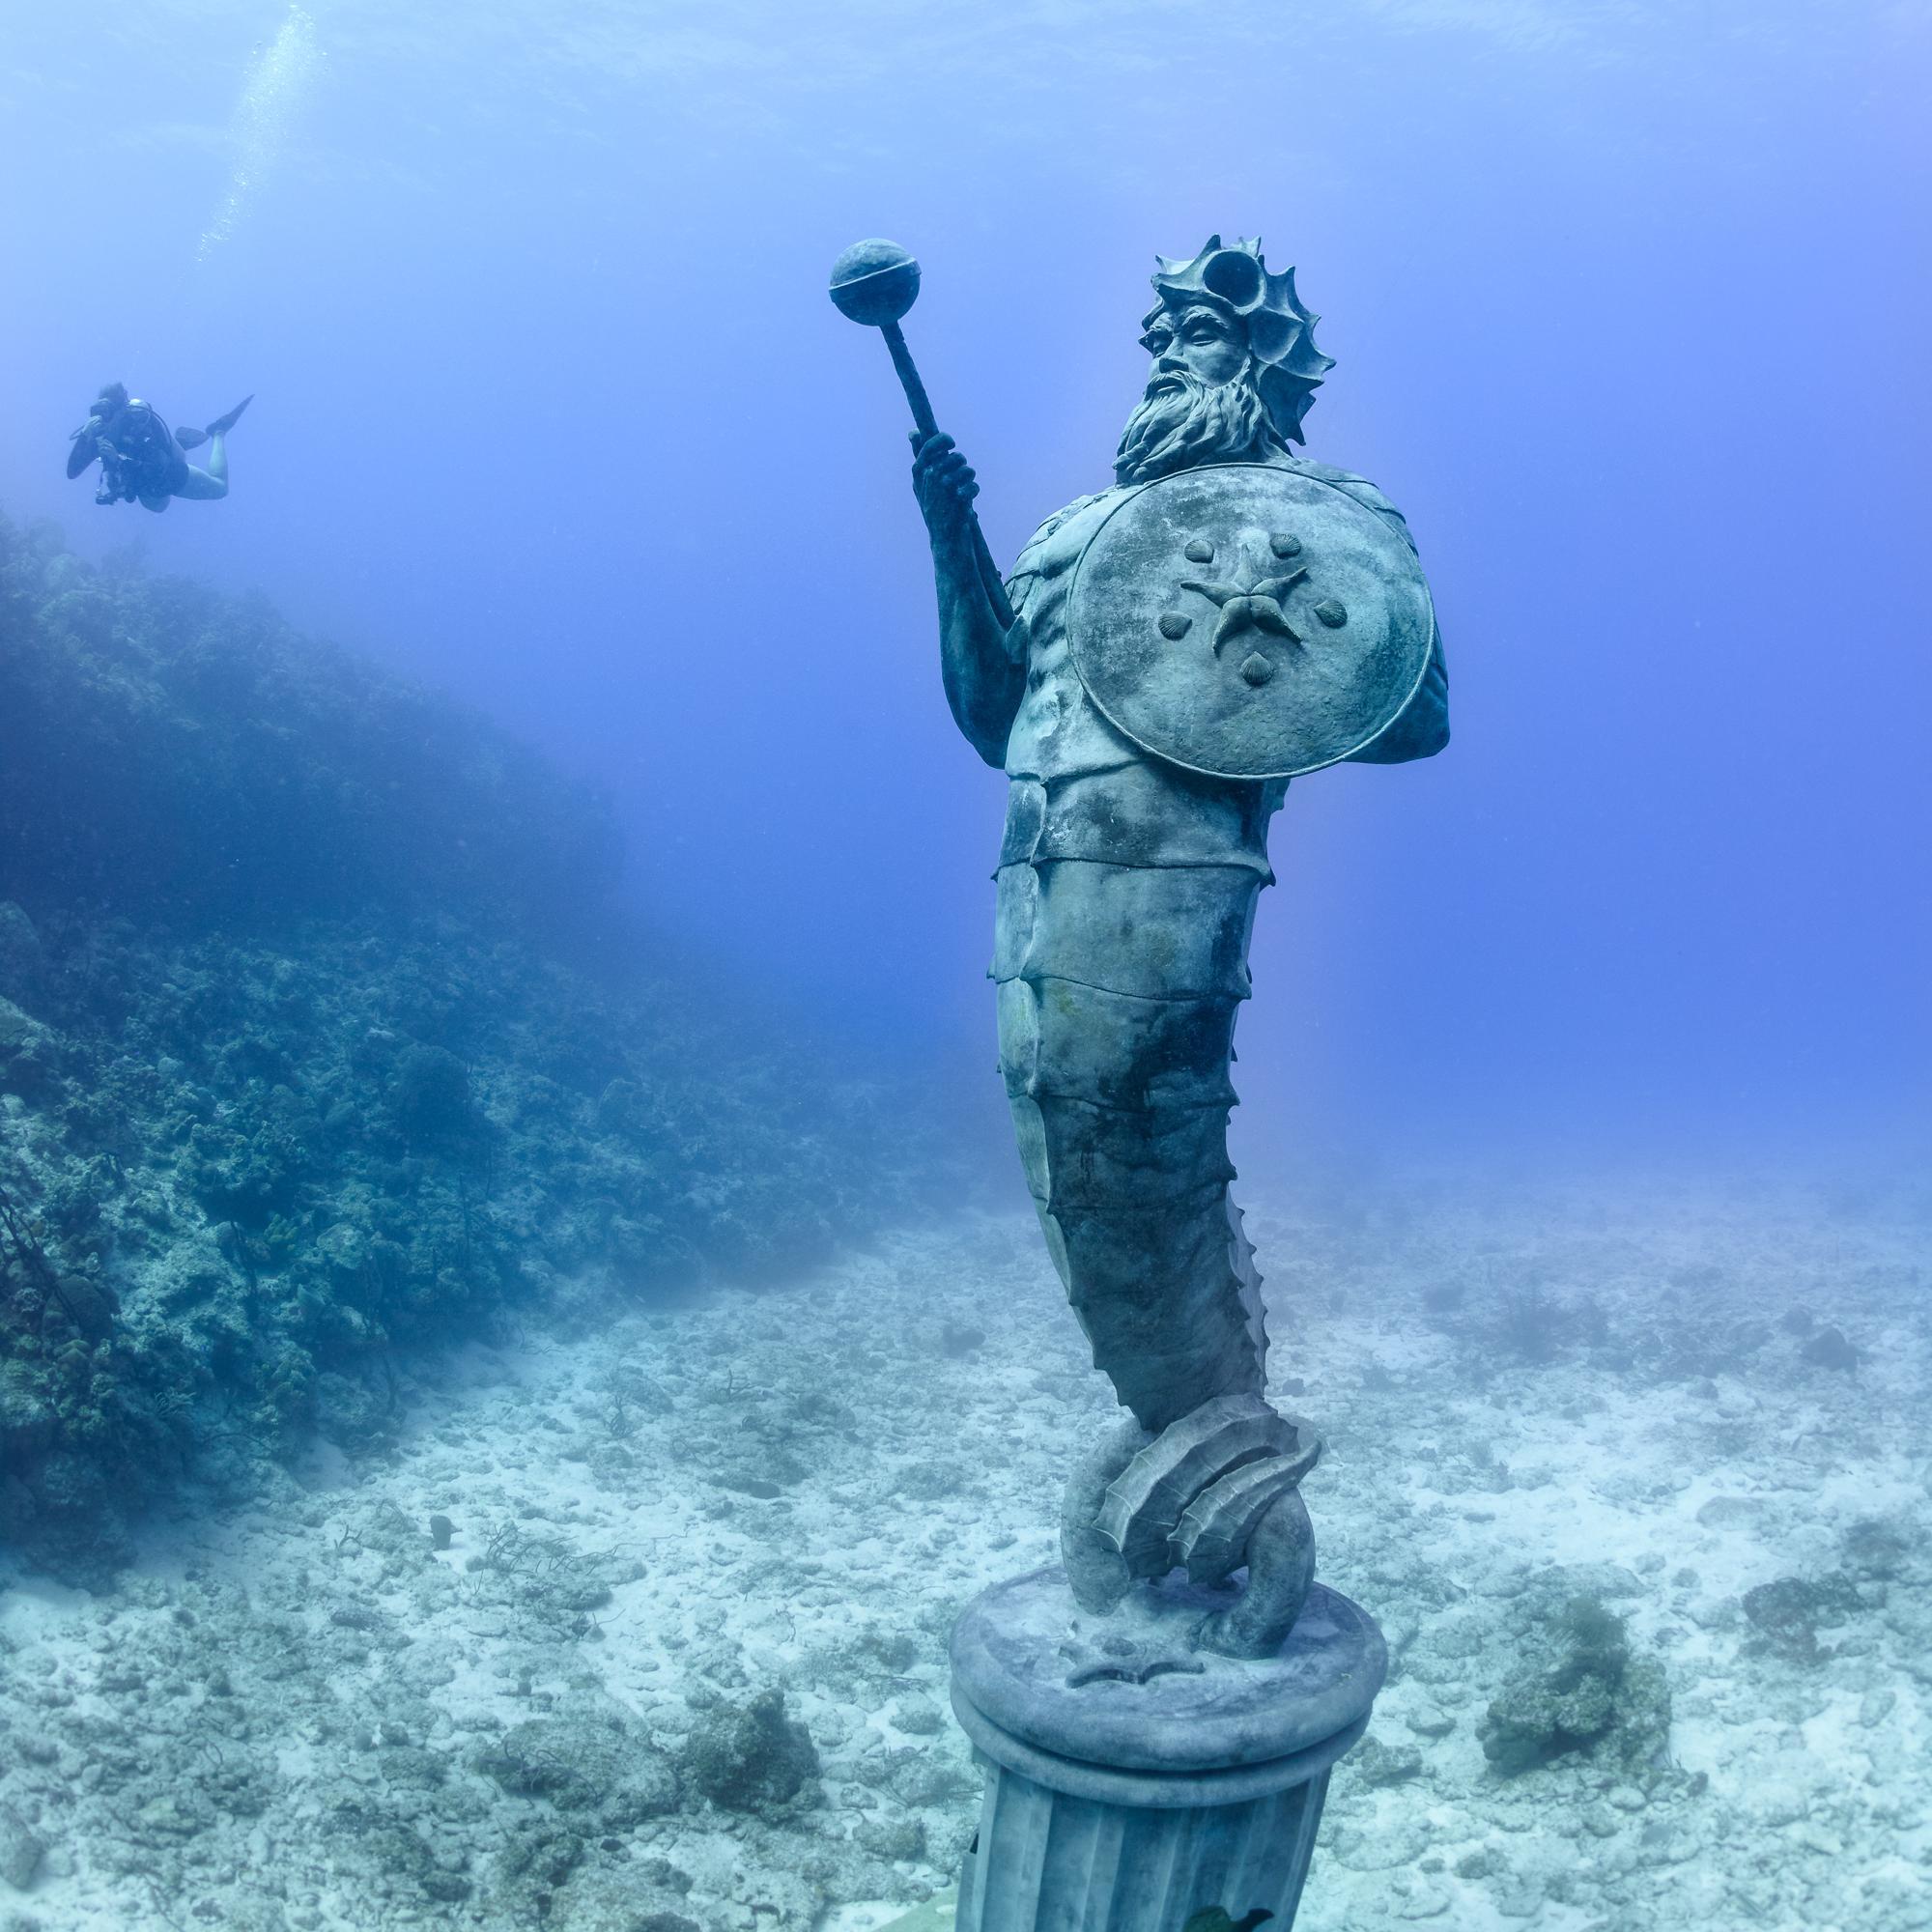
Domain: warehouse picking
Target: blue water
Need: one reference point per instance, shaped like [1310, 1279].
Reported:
[1627, 303]
[371, 1445]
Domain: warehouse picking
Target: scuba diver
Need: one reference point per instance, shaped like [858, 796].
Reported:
[141, 460]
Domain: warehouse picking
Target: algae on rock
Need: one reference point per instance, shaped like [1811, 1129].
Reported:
[750, 1757]
[308, 1056]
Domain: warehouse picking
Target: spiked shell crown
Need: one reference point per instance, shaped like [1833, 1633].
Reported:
[1281, 332]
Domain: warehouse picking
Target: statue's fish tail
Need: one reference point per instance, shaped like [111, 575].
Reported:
[1118, 986]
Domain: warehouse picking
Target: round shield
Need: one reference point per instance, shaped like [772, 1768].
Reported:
[1248, 621]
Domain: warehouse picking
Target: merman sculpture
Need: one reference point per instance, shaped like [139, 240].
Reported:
[1162, 659]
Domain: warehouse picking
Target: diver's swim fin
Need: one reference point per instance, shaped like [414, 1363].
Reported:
[190, 439]
[221, 425]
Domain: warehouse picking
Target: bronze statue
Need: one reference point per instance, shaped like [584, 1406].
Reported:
[1161, 660]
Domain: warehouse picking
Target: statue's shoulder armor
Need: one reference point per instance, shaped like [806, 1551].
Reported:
[1043, 555]
[1359, 488]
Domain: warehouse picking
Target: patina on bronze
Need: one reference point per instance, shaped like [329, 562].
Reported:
[1247, 620]
[1161, 659]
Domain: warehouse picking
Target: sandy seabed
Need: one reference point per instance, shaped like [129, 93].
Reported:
[314, 1705]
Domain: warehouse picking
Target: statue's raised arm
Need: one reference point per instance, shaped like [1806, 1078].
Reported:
[875, 282]
[982, 678]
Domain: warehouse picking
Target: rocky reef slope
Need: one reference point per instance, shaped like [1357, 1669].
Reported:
[305, 1054]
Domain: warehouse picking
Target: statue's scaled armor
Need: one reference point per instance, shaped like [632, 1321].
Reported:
[1126, 895]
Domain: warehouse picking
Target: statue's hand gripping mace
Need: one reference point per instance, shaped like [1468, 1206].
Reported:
[875, 283]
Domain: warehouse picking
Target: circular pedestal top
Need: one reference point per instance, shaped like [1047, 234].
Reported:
[1127, 1689]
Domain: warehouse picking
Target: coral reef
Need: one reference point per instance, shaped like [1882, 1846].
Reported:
[174, 752]
[1592, 1694]
[301, 1064]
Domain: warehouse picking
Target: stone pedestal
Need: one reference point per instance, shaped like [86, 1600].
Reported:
[1133, 1781]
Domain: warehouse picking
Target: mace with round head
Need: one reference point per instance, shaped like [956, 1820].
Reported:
[874, 282]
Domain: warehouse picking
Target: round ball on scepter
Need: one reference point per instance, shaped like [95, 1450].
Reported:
[874, 282]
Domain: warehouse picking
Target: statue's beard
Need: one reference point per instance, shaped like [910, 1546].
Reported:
[1182, 421]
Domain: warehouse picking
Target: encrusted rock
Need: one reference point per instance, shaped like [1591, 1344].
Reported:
[1829, 1349]
[21, 1850]
[1429, 1720]
[1786, 1613]
[583, 1764]
[750, 1757]
[1376, 1762]
[1593, 1693]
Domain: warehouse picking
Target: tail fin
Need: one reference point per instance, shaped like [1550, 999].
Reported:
[221, 425]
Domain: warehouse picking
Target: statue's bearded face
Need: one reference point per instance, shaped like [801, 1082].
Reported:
[1201, 403]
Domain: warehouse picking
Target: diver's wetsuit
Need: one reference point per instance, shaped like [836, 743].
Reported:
[140, 459]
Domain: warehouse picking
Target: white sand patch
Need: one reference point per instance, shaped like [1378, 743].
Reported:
[286, 1716]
